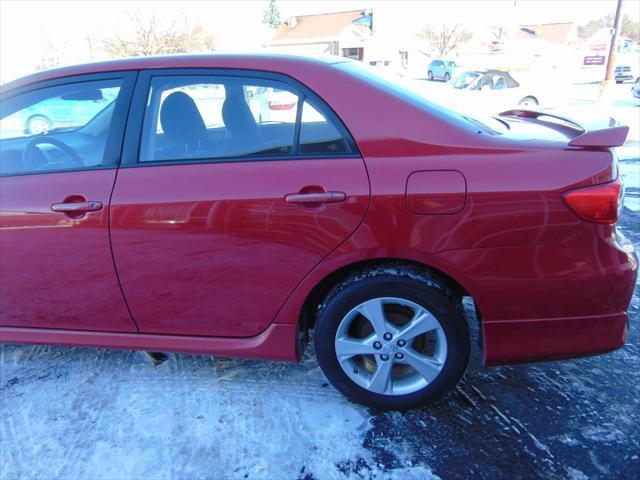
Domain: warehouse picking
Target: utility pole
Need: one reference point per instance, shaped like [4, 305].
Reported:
[613, 48]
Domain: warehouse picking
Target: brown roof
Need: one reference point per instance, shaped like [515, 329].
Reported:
[551, 32]
[321, 25]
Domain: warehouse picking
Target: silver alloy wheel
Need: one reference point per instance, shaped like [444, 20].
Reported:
[391, 346]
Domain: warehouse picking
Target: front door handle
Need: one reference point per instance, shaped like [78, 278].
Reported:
[316, 197]
[77, 207]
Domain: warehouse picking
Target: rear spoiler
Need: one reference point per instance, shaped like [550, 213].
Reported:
[589, 134]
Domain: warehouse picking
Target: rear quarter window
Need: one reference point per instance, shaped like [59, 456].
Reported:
[319, 135]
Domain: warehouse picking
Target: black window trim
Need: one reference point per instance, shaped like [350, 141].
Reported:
[117, 129]
[133, 136]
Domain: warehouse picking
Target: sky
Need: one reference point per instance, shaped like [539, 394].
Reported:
[28, 27]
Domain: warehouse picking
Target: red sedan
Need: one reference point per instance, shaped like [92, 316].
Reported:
[229, 204]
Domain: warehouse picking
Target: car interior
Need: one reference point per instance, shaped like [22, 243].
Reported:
[183, 133]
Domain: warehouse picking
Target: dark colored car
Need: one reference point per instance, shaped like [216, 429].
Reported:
[623, 73]
[176, 219]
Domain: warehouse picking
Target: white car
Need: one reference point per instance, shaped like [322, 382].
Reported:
[490, 90]
[272, 105]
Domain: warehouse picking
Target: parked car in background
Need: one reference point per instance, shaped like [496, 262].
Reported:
[62, 112]
[441, 70]
[488, 90]
[177, 218]
[388, 68]
[269, 104]
[635, 90]
[625, 73]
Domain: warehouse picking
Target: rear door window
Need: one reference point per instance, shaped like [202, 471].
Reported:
[217, 117]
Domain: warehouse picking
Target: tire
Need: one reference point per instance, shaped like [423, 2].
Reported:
[430, 75]
[38, 124]
[403, 293]
[619, 81]
[528, 100]
[447, 77]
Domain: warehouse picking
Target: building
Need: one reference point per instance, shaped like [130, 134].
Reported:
[337, 33]
[559, 33]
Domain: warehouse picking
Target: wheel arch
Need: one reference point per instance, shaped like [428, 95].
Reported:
[533, 97]
[313, 300]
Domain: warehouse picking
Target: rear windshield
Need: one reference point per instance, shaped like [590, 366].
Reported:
[465, 80]
[410, 93]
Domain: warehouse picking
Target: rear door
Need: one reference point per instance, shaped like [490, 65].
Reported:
[234, 186]
[60, 145]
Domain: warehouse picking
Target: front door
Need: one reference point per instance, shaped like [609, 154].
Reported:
[439, 69]
[223, 211]
[59, 148]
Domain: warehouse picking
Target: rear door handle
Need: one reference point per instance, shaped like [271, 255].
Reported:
[77, 207]
[316, 197]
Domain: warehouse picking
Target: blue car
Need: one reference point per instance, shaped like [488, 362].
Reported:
[441, 70]
[53, 113]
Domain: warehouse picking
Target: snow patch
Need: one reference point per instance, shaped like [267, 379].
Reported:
[100, 414]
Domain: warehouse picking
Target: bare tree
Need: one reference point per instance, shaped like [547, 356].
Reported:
[149, 37]
[443, 40]
[52, 54]
[628, 27]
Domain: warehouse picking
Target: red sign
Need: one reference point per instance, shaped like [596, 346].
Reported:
[598, 47]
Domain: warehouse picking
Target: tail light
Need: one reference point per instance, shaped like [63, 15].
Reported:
[275, 105]
[598, 204]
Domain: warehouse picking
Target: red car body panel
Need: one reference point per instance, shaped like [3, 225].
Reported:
[277, 342]
[194, 243]
[57, 272]
[193, 239]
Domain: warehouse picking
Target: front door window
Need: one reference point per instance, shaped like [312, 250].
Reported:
[57, 128]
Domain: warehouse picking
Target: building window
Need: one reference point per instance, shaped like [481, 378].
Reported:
[353, 53]
[404, 58]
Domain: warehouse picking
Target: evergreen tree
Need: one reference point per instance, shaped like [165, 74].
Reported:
[271, 15]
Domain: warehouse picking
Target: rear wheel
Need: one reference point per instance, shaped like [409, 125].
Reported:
[392, 340]
[430, 75]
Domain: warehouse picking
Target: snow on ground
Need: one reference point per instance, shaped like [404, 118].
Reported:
[100, 414]
[629, 169]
